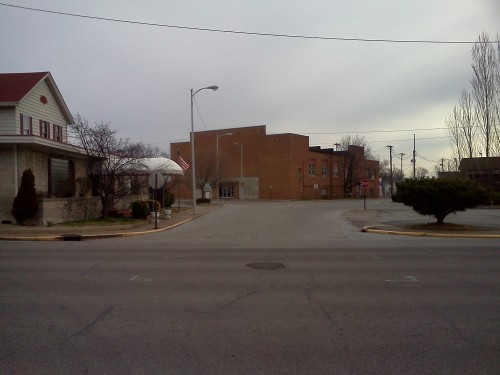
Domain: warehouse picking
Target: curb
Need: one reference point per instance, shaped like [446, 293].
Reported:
[372, 229]
[86, 237]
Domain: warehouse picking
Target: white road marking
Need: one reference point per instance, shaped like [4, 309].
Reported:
[410, 278]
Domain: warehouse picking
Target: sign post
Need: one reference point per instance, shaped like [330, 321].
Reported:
[156, 180]
[364, 185]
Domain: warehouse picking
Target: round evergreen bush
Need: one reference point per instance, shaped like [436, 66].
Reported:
[139, 209]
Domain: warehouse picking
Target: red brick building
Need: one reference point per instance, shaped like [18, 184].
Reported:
[254, 165]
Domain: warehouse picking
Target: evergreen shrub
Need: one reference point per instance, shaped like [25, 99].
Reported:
[440, 197]
[139, 209]
[25, 205]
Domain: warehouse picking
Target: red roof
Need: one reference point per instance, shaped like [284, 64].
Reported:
[15, 86]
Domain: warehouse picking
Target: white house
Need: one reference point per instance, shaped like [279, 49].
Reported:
[34, 134]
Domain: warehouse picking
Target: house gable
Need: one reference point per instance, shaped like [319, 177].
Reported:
[36, 96]
[15, 86]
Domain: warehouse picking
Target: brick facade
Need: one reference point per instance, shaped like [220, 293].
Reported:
[274, 166]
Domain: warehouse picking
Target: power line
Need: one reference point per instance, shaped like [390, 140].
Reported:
[407, 139]
[376, 131]
[432, 161]
[239, 32]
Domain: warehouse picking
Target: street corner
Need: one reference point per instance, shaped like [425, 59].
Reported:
[392, 230]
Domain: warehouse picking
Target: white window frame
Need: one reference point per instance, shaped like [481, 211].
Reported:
[26, 125]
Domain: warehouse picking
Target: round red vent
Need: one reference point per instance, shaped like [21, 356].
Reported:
[43, 99]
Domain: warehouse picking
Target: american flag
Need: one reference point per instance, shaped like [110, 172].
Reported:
[182, 163]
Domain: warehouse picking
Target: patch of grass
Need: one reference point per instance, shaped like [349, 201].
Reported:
[446, 227]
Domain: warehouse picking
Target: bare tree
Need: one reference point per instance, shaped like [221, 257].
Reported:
[495, 144]
[446, 165]
[468, 124]
[453, 129]
[462, 128]
[110, 159]
[352, 164]
[205, 168]
[421, 172]
[485, 91]
[357, 140]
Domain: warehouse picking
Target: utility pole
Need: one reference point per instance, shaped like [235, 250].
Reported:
[401, 154]
[442, 165]
[390, 163]
[414, 158]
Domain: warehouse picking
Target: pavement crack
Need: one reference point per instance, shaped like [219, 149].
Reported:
[4, 358]
[307, 289]
[243, 296]
[91, 269]
[96, 320]
[458, 331]
[307, 292]
[328, 316]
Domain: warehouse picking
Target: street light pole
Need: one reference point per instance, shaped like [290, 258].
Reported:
[217, 162]
[193, 161]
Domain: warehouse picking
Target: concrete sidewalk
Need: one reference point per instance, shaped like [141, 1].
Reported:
[60, 232]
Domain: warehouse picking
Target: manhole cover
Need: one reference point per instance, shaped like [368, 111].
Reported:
[266, 265]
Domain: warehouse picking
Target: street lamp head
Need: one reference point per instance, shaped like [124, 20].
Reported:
[214, 88]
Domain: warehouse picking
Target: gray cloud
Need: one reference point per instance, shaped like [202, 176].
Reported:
[139, 77]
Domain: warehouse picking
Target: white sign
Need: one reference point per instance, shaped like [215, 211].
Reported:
[156, 180]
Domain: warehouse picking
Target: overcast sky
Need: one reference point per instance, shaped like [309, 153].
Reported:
[138, 77]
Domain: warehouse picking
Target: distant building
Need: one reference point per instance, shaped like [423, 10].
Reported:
[484, 170]
[251, 164]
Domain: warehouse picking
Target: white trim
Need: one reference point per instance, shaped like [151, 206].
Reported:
[44, 143]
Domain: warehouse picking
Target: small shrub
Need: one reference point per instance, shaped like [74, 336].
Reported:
[168, 199]
[495, 198]
[152, 204]
[139, 209]
[203, 200]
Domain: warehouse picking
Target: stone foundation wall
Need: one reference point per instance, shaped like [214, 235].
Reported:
[60, 210]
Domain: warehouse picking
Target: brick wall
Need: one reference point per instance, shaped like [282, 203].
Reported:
[275, 166]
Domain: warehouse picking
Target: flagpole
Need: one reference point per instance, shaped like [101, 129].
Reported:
[178, 193]
[178, 183]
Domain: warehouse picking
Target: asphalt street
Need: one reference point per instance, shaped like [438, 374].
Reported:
[254, 288]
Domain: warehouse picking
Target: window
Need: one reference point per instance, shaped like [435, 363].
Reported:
[57, 133]
[312, 167]
[44, 129]
[226, 191]
[324, 168]
[335, 169]
[26, 125]
[61, 179]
